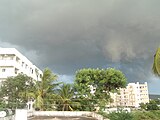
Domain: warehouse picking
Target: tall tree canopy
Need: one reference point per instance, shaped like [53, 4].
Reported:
[44, 93]
[156, 63]
[65, 98]
[93, 86]
[14, 90]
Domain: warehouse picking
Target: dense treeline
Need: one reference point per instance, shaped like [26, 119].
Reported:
[148, 111]
[134, 115]
[89, 91]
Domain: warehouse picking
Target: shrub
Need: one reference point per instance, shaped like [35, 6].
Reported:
[146, 115]
[152, 106]
[121, 115]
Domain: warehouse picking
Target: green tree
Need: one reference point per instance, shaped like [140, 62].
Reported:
[157, 101]
[156, 63]
[152, 105]
[93, 86]
[44, 93]
[65, 98]
[14, 90]
[2, 103]
[143, 106]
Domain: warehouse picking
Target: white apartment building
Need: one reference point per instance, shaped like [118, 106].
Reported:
[131, 96]
[13, 62]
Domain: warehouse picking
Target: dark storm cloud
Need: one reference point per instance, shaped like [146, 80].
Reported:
[69, 35]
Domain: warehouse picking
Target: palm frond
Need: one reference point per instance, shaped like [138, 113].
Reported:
[156, 63]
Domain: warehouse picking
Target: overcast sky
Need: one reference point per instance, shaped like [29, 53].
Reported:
[67, 35]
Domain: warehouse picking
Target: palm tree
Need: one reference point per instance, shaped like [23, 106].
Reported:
[65, 95]
[156, 63]
[45, 89]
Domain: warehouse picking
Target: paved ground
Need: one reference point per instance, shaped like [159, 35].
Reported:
[62, 118]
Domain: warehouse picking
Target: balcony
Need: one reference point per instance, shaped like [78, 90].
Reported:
[4, 76]
[9, 63]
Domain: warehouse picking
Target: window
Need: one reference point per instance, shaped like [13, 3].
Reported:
[11, 57]
[40, 75]
[22, 64]
[17, 59]
[26, 66]
[16, 71]
[3, 70]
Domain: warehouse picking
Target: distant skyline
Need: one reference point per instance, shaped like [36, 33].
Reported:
[69, 35]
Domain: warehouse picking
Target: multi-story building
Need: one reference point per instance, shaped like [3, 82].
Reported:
[131, 96]
[13, 62]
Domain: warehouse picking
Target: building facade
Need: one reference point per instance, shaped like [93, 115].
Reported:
[131, 96]
[12, 62]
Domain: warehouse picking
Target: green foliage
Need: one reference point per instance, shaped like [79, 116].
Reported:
[152, 105]
[143, 106]
[146, 115]
[2, 104]
[14, 90]
[65, 98]
[156, 63]
[93, 86]
[135, 115]
[121, 115]
[44, 93]
[157, 101]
